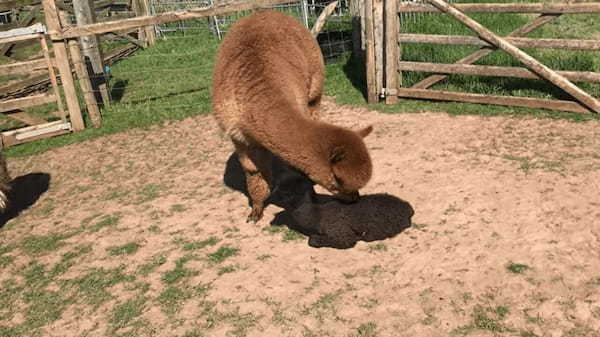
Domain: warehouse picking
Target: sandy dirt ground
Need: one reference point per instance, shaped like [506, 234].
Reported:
[137, 234]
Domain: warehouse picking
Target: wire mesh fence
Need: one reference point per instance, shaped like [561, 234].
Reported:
[335, 39]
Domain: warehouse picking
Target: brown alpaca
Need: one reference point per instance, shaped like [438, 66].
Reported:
[4, 184]
[267, 86]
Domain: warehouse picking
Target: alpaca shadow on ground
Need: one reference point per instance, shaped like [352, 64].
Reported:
[290, 184]
[330, 223]
[25, 191]
[326, 221]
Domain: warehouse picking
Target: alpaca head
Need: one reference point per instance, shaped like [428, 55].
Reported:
[350, 163]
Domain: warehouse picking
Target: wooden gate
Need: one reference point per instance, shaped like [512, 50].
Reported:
[384, 61]
[37, 128]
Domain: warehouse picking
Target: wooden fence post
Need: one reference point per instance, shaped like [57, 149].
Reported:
[62, 63]
[149, 30]
[85, 83]
[136, 6]
[515, 52]
[371, 77]
[392, 77]
[84, 14]
[378, 29]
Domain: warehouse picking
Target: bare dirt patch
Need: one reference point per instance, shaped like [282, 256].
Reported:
[137, 234]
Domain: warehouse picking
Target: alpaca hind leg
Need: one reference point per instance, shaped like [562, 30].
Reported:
[256, 163]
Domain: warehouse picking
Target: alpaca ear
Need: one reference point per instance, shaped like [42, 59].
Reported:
[337, 155]
[365, 132]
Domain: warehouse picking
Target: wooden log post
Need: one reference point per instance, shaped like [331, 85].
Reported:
[316, 29]
[531, 63]
[378, 25]
[393, 78]
[64, 69]
[84, 14]
[149, 30]
[372, 95]
[85, 83]
[472, 58]
[136, 6]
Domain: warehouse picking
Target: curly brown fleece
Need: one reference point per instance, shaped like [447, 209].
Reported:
[267, 86]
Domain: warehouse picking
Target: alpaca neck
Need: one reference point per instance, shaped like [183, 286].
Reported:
[299, 141]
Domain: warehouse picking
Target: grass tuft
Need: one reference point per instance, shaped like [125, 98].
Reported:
[126, 249]
[222, 254]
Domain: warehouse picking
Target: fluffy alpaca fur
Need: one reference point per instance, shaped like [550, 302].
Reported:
[337, 225]
[4, 184]
[267, 85]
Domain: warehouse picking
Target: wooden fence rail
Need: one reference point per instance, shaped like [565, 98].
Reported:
[521, 42]
[497, 8]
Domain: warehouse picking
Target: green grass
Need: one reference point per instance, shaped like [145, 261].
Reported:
[149, 267]
[106, 221]
[40, 244]
[367, 330]
[201, 244]
[126, 312]
[287, 233]
[148, 193]
[179, 272]
[222, 254]
[517, 268]
[126, 249]
[68, 259]
[93, 286]
[6, 260]
[172, 298]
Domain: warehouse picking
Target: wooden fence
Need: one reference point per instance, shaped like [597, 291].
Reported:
[384, 57]
[37, 127]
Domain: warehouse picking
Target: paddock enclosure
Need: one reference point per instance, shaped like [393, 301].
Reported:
[142, 232]
[86, 40]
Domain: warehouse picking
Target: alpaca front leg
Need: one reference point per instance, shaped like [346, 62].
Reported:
[4, 184]
[256, 163]
[259, 191]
